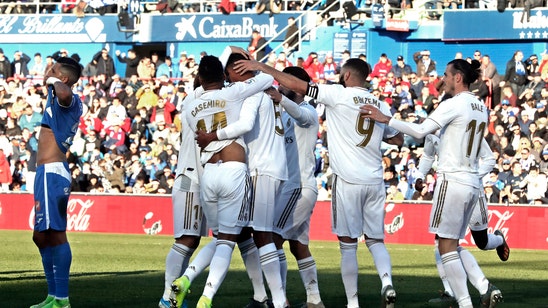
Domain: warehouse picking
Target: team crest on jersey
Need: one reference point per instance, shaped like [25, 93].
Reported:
[36, 206]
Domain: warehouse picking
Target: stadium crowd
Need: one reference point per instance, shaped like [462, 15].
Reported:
[431, 9]
[129, 135]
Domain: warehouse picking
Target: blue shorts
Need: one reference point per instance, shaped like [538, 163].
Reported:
[51, 196]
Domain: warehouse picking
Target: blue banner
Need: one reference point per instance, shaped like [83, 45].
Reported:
[492, 25]
[152, 28]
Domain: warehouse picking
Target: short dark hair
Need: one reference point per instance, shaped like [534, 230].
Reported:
[210, 69]
[71, 67]
[359, 66]
[298, 72]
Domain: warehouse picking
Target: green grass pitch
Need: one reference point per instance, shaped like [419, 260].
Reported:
[112, 270]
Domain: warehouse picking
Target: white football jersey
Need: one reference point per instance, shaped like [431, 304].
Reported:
[266, 140]
[354, 142]
[189, 153]
[215, 109]
[262, 127]
[301, 132]
[463, 120]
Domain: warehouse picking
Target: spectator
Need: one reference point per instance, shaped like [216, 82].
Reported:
[516, 177]
[138, 128]
[533, 88]
[116, 114]
[284, 62]
[492, 194]
[104, 63]
[524, 121]
[515, 75]
[29, 119]
[146, 96]
[5, 65]
[131, 61]
[313, 67]
[146, 69]
[257, 47]
[183, 59]
[19, 66]
[526, 160]
[103, 108]
[5, 172]
[509, 97]
[401, 68]
[416, 86]
[534, 184]
[393, 194]
[330, 69]
[390, 177]
[117, 176]
[155, 59]
[291, 39]
[162, 112]
[12, 129]
[480, 90]
[491, 77]
[382, 67]
[543, 166]
[167, 68]
[189, 70]
[425, 64]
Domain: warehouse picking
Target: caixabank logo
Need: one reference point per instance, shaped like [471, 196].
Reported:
[201, 28]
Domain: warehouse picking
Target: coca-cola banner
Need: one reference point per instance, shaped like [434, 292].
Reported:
[524, 226]
[96, 213]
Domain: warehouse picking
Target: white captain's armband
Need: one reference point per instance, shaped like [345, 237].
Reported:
[312, 90]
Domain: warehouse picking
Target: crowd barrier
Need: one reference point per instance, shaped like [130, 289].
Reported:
[405, 223]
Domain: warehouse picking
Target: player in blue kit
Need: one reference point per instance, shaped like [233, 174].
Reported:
[52, 184]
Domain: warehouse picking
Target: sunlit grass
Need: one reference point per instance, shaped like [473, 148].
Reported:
[128, 271]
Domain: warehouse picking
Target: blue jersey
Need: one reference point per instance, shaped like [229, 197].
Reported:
[63, 121]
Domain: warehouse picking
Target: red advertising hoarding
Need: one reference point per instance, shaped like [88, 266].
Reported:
[405, 223]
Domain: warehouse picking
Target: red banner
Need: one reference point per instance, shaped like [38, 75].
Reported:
[405, 223]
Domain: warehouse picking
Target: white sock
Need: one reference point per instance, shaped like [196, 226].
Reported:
[309, 276]
[271, 269]
[441, 271]
[201, 261]
[474, 272]
[456, 275]
[176, 260]
[219, 267]
[283, 267]
[349, 272]
[250, 256]
[381, 257]
[493, 241]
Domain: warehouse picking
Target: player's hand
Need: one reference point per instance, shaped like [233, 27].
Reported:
[274, 94]
[243, 66]
[430, 145]
[240, 50]
[373, 113]
[204, 139]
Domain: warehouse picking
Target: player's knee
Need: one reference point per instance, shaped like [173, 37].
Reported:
[480, 238]
[372, 241]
